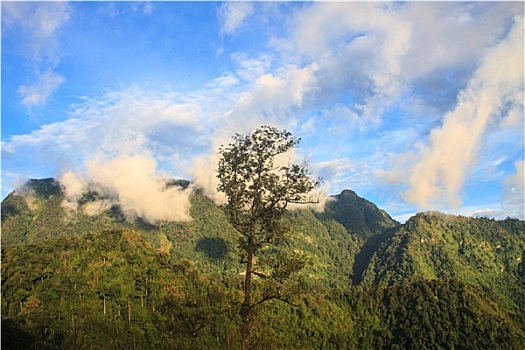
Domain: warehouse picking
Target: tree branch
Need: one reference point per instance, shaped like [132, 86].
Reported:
[272, 297]
[260, 274]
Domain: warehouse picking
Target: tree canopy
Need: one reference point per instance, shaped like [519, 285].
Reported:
[259, 186]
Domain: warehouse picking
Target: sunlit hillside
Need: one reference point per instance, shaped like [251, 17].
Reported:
[102, 280]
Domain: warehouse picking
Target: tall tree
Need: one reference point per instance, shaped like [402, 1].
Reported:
[259, 189]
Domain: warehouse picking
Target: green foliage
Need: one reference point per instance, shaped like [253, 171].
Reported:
[436, 282]
[107, 290]
[478, 251]
[358, 215]
[258, 190]
[329, 247]
[433, 314]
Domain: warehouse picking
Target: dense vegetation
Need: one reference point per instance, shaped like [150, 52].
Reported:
[258, 191]
[74, 281]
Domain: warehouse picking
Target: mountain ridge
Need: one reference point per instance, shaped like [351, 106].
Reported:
[369, 275]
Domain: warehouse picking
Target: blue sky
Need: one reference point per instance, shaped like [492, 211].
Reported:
[416, 105]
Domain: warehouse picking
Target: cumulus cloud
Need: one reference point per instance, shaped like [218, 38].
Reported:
[232, 15]
[204, 174]
[116, 145]
[73, 187]
[38, 93]
[131, 182]
[373, 55]
[443, 163]
[273, 95]
[36, 27]
[336, 67]
[178, 133]
[358, 53]
[135, 185]
[250, 69]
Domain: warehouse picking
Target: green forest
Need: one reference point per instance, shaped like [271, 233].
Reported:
[107, 281]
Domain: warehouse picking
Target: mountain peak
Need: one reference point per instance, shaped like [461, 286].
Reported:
[358, 215]
[347, 192]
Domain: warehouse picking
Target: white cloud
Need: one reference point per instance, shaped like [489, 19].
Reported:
[127, 131]
[250, 69]
[97, 207]
[132, 182]
[274, 95]
[308, 127]
[341, 111]
[340, 65]
[38, 93]
[145, 6]
[344, 173]
[452, 150]
[358, 53]
[203, 173]
[373, 54]
[109, 9]
[131, 120]
[36, 26]
[140, 191]
[451, 35]
[226, 81]
[232, 15]
[74, 187]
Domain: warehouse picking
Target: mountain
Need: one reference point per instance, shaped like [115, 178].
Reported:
[76, 281]
[35, 214]
[358, 215]
[478, 251]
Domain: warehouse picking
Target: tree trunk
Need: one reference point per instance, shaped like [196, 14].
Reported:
[245, 308]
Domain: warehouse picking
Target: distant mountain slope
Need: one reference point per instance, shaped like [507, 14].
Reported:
[358, 215]
[437, 281]
[35, 214]
[477, 251]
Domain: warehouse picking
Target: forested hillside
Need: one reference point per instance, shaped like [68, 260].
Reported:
[106, 281]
